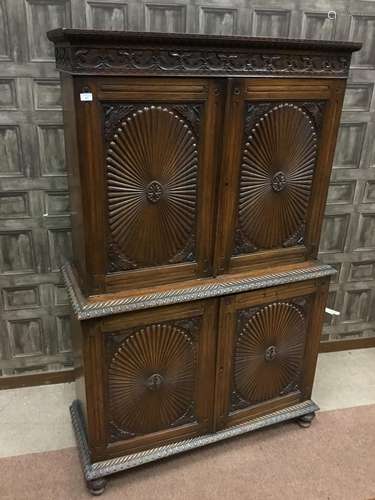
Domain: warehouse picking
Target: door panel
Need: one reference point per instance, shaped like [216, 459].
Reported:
[267, 350]
[158, 376]
[156, 160]
[277, 159]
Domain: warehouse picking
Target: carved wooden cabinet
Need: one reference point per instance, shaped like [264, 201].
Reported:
[198, 170]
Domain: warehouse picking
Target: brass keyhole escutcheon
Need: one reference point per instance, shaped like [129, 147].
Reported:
[271, 353]
[154, 382]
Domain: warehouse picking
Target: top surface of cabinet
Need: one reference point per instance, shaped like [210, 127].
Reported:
[126, 53]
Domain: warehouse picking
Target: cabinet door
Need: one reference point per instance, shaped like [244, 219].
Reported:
[158, 374]
[267, 350]
[279, 147]
[148, 170]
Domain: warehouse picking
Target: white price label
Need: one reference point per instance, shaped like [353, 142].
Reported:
[85, 96]
[332, 312]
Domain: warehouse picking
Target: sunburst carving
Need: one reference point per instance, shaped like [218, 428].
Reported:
[152, 164]
[152, 378]
[276, 176]
[269, 352]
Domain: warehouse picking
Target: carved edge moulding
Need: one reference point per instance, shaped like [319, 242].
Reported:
[78, 52]
[86, 308]
[96, 470]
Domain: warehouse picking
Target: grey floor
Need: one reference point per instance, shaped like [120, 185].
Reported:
[36, 419]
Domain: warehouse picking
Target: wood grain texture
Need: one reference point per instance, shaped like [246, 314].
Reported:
[46, 378]
[149, 376]
[273, 189]
[152, 164]
[152, 379]
[269, 352]
[276, 175]
[148, 154]
[272, 337]
[347, 345]
[199, 55]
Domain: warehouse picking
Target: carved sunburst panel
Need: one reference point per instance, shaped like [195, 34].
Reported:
[152, 377]
[277, 168]
[268, 353]
[152, 183]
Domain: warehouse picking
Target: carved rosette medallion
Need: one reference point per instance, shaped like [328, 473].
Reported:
[152, 176]
[154, 191]
[151, 379]
[278, 181]
[271, 353]
[278, 162]
[154, 382]
[268, 353]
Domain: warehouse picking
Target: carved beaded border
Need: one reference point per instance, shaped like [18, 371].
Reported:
[111, 466]
[201, 61]
[86, 310]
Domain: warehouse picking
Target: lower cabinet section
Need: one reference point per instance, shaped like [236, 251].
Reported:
[170, 373]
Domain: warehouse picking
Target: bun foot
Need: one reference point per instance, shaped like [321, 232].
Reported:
[96, 486]
[305, 420]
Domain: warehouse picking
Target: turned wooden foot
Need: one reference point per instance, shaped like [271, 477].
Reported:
[96, 486]
[305, 420]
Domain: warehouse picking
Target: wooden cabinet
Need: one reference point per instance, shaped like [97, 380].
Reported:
[198, 171]
[186, 178]
[184, 370]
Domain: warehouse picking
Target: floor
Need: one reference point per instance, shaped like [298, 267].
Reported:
[332, 460]
[345, 379]
[36, 419]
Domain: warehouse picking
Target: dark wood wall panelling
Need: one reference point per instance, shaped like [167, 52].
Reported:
[34, 203]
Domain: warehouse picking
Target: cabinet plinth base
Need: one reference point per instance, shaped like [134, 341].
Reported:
[94, 471]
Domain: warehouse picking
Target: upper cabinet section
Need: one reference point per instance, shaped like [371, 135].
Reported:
[131, 53]
[148, 178]
[191, 156]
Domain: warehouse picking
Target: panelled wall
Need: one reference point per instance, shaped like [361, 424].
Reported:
[34, 202]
